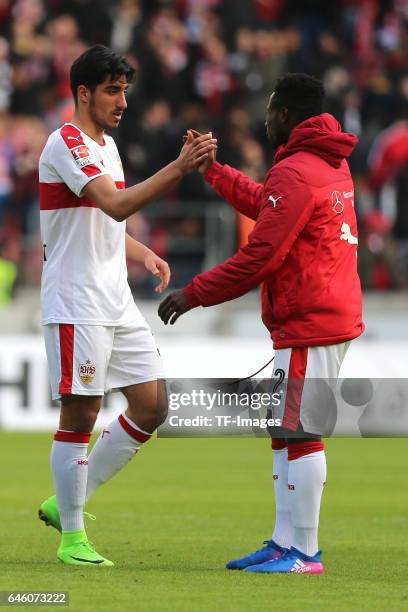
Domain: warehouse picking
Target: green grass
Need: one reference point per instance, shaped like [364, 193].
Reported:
[173, 518]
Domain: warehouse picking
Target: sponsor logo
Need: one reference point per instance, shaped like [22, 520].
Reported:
[81, 155]
[291, 487]
[78, 138]
[82, 462]
[275, 477]
[349, 194]
[347, 235]
[274, 200]
[87, 372]
[337, 202]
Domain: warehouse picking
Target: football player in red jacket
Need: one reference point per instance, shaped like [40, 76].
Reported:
[303, 250]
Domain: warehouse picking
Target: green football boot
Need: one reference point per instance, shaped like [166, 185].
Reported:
[48, 512]
[75, 549]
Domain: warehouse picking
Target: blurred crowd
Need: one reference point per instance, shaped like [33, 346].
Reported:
[207, 64]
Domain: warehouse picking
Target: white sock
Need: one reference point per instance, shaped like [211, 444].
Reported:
[69, 467]
[306, 477]
[282, 534]
[114, 448]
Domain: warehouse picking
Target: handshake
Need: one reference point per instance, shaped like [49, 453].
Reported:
[198, 152]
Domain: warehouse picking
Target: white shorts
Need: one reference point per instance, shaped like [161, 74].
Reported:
[95, 359]
[307, 403]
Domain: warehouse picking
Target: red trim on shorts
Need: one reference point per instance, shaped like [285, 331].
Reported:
[278, 444]
[296, 379]
[300, 449]
[72, 436]
[66, 338]
[135, 433]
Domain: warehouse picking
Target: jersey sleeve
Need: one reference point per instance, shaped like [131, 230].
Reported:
[244, 194]
[287, 205]
[73, 161]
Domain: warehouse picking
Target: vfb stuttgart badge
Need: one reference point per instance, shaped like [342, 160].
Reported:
[87, 372]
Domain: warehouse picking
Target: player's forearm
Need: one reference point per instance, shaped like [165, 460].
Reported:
[135, 250]
[121, 203]
[244, 271]
[239, 190]
[126, 202]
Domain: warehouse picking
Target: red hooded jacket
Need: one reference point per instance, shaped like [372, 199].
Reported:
[304, 244]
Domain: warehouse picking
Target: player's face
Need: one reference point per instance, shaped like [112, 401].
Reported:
[276, 128]
[108, 102]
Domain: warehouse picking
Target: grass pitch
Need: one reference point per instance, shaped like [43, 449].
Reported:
[184, 507]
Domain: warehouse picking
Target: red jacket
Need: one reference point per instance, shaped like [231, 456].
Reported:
[303, 246]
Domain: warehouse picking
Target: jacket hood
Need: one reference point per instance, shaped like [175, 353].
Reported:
[321, 135]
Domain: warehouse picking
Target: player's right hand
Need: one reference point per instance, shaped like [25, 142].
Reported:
[195, 151]
[210, 159]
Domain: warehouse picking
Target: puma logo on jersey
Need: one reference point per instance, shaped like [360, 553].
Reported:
[274, 200]
[78, 138]
[347, 235]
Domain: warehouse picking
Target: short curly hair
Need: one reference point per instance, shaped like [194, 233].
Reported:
[301, 93]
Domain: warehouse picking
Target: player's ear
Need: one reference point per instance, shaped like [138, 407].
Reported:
[284, 114]
[83, 94]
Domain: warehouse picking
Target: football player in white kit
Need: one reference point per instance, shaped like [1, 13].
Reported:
[96, 338]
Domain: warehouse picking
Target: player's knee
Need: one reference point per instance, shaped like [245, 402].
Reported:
[156, 412]
[162, 410]
[85, 424]
[79, 413]
[162, 406]
[84, 421]
[150, 414]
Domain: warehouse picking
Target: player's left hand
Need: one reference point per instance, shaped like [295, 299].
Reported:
[173, 306]
[159, 268]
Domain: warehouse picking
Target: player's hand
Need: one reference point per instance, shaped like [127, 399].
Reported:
[173, 306]
[195, 150]
[159, 268]
[207, 163]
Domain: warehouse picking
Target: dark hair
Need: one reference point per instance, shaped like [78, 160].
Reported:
[94, 65]
[300, 93]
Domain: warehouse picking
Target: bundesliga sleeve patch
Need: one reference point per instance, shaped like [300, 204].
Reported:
[82, 156]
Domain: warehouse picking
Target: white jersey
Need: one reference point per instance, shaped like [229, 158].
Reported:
[84, 277]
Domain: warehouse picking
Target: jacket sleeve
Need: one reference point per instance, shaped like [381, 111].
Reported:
[389, 156]
[244, 194]
[287, 206]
